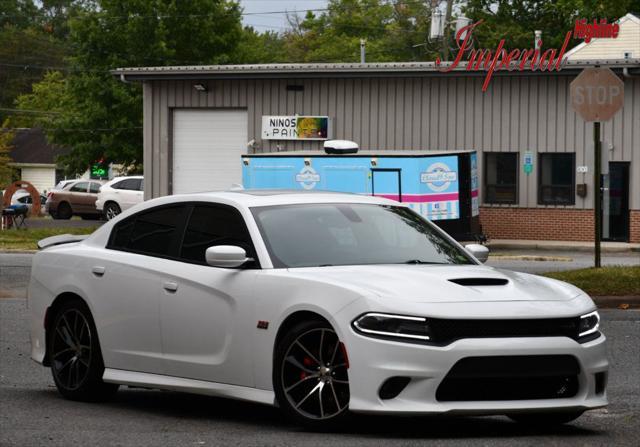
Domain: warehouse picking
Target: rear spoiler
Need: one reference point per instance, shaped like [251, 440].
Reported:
[61, 239]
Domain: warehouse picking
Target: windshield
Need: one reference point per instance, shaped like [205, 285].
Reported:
[310, 235]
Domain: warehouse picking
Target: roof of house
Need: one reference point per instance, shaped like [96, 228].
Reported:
[30, 146]
[342, 70]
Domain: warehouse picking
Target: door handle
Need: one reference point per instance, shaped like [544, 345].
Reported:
[97, 270]
[170, 286]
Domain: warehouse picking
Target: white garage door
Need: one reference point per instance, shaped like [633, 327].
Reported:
[207, 146]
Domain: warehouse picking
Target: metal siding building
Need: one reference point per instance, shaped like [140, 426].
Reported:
[409, 106]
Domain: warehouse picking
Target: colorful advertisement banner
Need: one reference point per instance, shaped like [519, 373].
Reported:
[296, 128]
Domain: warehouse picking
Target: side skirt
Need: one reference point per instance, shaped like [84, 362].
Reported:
[148, 380]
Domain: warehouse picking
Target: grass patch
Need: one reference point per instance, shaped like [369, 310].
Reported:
[28, 239]
[616, 281]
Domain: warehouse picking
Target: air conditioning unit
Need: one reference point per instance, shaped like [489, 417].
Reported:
[340, 147]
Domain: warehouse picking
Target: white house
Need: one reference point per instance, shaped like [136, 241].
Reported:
[625, 46]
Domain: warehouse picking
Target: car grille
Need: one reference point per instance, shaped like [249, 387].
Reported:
[446, 331]
[511, 378]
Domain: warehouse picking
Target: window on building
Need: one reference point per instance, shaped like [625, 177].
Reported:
[210, 226]
[501, 177]
[556, 179]
[153, 232]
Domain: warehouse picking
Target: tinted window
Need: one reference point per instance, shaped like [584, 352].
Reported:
[351, 234]
[152, 232]
[213, 225]
[129, 184]
[94, 188]
[501, 177]
[556, 179]
[79, 187]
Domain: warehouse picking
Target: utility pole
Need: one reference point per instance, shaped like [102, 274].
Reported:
[363, 44]
[447, 30]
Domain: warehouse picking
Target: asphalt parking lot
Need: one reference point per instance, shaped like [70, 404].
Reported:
[32, 412]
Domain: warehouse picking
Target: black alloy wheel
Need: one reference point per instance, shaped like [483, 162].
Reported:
[75, 356]
[311, 378]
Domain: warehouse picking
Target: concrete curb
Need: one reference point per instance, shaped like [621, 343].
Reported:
[606, 247]
[617, 302]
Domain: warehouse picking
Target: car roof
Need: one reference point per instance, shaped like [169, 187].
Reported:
[253, 197]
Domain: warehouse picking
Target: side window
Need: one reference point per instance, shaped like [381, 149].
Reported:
[151, 232]
[79, 187]
[213, 225]
[141, 187]
[556, 179]
[94, 188]
[118, 185]
[501, 177]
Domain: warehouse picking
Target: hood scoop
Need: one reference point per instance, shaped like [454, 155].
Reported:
[472, 282]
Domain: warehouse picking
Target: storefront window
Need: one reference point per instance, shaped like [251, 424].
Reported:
[556, 179]
[501, 177]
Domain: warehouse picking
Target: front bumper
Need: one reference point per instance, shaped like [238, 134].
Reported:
[373, 361]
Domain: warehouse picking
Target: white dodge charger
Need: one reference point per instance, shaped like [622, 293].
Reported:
[319, 303]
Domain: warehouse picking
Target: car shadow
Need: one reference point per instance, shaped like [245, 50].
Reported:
[175, 405]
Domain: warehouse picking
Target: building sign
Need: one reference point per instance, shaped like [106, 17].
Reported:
[99, 170]
[527, 162]
[517, 59]
[296, 128]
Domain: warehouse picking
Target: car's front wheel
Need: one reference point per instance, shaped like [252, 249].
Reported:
[310, 375]
[75, 356]
[545, 419]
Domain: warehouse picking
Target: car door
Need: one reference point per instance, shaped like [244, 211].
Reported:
[78, 197]
[94, 188]
[207, 313]
[128, 279]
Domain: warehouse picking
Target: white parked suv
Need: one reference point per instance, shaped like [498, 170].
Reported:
[120, 194]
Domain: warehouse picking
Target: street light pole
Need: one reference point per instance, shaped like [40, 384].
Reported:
[447, 30]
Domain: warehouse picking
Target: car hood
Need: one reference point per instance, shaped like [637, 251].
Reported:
[436, 283]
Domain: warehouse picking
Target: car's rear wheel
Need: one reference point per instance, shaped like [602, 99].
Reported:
[310, 375]
[75, 356]
[111, 210]
[550, 418]
[64, 211]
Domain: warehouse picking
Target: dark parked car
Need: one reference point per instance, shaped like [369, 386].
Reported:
[76, 198]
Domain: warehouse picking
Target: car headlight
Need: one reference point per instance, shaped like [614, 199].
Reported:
[588, 323]
[395, 326]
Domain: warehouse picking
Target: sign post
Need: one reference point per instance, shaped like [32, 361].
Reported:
[596, 95]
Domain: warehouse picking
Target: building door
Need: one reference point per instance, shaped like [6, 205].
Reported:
[386, 183]
[207, 146]
[615, 202]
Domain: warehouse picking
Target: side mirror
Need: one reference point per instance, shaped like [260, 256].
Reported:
[226, 256]
[479, 251]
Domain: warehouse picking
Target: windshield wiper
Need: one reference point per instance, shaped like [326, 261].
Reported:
[418, 261]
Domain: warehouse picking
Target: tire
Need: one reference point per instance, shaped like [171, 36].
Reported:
[75, 356]
[111, 210]
[64, 211]
[310, 376]
[546, 419]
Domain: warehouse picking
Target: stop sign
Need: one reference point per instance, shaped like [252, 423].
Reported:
[597, 94]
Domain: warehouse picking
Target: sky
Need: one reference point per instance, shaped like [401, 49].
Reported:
[275, 22]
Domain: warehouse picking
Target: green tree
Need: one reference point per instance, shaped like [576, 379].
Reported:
[6, 137]
[102, 116]
[394, 31]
